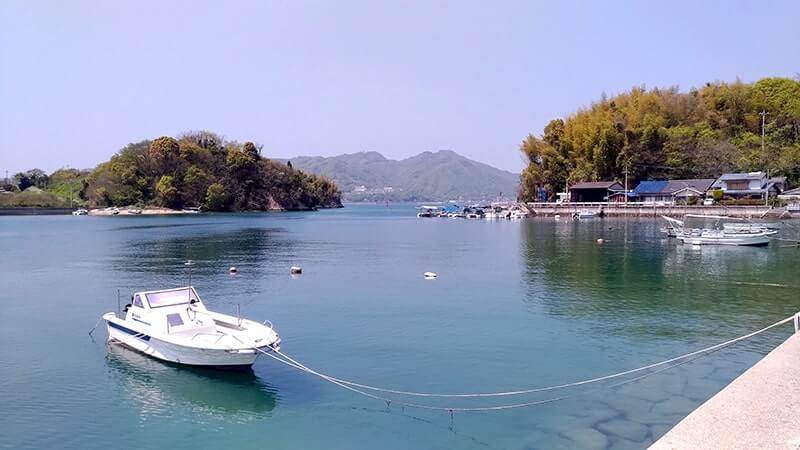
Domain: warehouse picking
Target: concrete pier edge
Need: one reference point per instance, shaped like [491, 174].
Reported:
[758, 410]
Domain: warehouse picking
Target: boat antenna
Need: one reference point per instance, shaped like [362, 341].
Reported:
[189, 263]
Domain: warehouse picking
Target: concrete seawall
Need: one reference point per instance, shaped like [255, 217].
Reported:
[652, 210]
[758, 410]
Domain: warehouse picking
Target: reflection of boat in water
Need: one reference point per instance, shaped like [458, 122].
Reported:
[162, 388]
[174, 325]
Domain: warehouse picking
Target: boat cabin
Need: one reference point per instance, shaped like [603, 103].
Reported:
[170, 311]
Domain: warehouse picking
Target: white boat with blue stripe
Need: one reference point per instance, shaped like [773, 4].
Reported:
[174, 325]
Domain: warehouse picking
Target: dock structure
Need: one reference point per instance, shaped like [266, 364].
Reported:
[760, 409]
[656, 210]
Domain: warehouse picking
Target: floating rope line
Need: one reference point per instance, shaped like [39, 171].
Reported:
[358, 386]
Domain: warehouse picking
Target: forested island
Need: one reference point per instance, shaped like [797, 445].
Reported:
[666, 134]
[198, 169]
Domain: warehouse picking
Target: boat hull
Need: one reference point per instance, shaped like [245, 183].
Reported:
[167, 351]
[752, 241]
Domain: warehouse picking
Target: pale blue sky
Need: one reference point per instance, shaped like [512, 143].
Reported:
[80, 79]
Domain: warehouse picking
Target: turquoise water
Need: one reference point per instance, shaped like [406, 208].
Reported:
[516, 305]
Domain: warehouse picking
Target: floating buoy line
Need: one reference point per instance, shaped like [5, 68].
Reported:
[362, 389]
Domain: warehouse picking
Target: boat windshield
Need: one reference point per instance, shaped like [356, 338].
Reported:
[170, 298]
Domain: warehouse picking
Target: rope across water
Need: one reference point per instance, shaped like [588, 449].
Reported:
[362, 388]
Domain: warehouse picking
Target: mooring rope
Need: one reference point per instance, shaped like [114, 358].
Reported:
[352, 386]
[452, 409]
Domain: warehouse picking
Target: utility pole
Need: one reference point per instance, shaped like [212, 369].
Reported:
[763, 115]
[626, 181]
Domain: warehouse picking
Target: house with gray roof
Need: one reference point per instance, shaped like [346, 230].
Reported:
[749, 185]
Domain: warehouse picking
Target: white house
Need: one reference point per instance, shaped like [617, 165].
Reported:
[749, 185]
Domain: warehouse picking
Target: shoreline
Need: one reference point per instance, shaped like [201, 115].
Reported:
[143, 212]
[149, 211]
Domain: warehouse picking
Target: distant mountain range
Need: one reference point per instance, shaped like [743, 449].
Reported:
[429, 176]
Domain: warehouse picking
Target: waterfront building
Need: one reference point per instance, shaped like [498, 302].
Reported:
[671, 191]
[749, 185]
[595, 191]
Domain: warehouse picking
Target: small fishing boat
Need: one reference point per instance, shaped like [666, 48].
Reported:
[586, 214]
[427, 211]
[135, 211]
[748, 234]
[80, 212]
[174, 325]
[721, 237]
[674, 227]
[474, 213]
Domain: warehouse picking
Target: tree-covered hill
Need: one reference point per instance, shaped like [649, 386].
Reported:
[199, 169]
[428, 176]
[663, 133]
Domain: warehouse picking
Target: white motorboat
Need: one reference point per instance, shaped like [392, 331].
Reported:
[80, 212]
[174, 325]
[517, 212]
[428, 211]
[497, 213]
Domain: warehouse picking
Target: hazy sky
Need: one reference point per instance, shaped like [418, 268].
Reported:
[80, 79]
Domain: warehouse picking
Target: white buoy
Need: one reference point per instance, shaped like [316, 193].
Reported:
[295, 270]
[429, 275]
[601, 241]
[557, 216]
[233, 269]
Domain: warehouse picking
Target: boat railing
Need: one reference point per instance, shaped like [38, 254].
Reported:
[219, 335]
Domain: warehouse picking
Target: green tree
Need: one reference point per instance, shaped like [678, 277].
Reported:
[663, 133]
[22, 181]
[165, 155]
[195, 183]
[167, 193]
[215, 197]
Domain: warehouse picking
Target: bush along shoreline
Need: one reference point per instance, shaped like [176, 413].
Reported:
[196, 170]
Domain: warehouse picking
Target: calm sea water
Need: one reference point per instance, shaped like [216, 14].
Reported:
[516, 305]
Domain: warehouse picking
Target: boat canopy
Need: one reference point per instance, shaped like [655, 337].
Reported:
[673, 221]
[171, 297]
[708, 216]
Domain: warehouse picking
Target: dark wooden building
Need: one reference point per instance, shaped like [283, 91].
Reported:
[594, 191]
